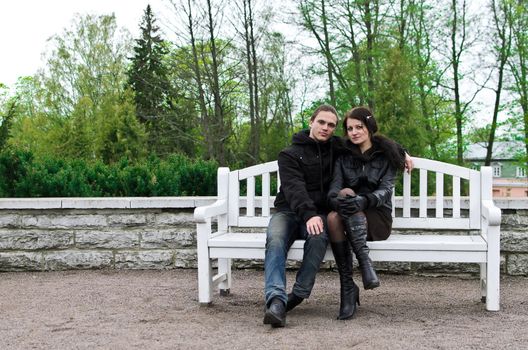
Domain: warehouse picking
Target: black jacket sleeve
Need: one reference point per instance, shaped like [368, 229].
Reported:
[293, 185]
[384, 191]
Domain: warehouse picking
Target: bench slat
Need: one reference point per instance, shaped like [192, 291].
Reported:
[439, 195]
[406, 223]
[409, 248]
[431, 223]
[456, 197]
[395, 242]
[250, 189]
[423, 193]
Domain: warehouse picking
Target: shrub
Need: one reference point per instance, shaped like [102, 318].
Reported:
[23, 176]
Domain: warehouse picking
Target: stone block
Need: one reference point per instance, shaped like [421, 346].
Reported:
[162, 202]
[63, 221]
[106, 239]
[174, 218]
[9, 220]
[514, 241]
[77, 259]
[517, 264]
[250, 264]
[20, 261]
[446, 268]
[185, 258]
[168, 238]
[30, 203]
[518, 220]
[391, 266]
[96, 203]
[132, 219]
[35, 239]
[151, 259]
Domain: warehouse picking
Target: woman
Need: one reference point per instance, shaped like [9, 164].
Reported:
[360, 195]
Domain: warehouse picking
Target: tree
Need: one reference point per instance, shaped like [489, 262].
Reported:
[461, 40]
[518, 63]
[420, 22]
[397, 109]
[8, 106]
[210, 70]
[252, 79]
[502, 14]
[86, 70]
[148, 77]
[276, 86]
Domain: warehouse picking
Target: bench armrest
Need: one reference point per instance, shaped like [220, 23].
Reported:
[201, 214]
[491, 213]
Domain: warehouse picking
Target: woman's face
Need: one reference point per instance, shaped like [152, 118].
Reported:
[357, 132]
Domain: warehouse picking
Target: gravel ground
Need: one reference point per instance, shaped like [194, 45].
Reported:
[159, 310]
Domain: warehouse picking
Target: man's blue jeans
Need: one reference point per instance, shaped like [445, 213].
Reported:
[284, 228]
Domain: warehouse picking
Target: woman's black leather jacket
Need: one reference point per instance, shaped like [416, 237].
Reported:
[370, 174]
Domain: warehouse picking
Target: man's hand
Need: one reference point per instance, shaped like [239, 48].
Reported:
[315, 225]
[350, 205]
[409, 164]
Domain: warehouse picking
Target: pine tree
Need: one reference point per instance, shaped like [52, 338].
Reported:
[149, 78]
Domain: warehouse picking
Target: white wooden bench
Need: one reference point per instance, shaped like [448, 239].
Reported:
[479, 222]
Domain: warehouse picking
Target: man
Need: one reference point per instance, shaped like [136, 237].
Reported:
[305, 169]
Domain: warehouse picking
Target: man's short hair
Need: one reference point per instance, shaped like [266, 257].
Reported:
[324, 108]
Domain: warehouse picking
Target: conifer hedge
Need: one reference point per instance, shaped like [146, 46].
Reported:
[22, 175]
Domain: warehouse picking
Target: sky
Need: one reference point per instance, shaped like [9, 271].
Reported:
[26, 25]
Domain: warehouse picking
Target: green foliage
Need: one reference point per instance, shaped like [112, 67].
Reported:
[79, 107]
[397, 113]
[13, 166]
[22, 175]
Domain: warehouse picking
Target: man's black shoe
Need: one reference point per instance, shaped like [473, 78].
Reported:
[276, 313]
[293, 301]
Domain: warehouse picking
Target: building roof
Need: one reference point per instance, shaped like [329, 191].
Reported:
[502, 150]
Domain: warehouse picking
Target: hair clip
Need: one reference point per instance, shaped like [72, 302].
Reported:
[368, 116]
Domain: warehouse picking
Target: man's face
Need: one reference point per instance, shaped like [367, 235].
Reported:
[322, 127]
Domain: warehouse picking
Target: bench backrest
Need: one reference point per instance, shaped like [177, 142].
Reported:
[408, 211]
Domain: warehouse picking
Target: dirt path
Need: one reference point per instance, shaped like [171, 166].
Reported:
[159, 310]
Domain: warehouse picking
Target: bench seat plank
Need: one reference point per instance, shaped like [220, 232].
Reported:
[425, 248]
[395, 242]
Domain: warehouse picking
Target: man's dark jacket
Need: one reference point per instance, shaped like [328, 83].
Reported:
[305, 169]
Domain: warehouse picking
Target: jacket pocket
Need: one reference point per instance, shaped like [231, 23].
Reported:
[376, 171]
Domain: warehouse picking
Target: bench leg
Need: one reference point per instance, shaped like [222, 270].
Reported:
[493, 269]
[205, 269]
[224, 269]
[492, 284]
[483, 274]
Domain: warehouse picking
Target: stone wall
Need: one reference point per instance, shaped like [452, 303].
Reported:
[159, 233]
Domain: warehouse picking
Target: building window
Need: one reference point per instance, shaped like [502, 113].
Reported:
[497, 170]
[521, 172]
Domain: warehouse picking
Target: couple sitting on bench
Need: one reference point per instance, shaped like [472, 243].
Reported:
[330, 190]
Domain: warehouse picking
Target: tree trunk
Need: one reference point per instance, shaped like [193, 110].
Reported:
[327, 53]
[220, 134]
[204, 115]
[503, 53]
[455, 55]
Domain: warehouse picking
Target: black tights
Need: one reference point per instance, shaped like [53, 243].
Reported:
[336, 230]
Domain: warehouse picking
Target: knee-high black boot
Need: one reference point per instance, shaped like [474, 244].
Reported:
[349, 290]
[356, 228]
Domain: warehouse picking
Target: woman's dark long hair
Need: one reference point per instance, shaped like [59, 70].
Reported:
[394, 153]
